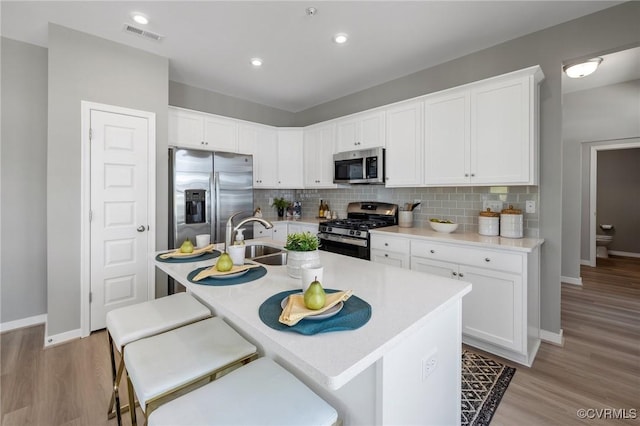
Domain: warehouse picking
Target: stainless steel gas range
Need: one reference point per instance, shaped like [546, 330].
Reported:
[350, 236]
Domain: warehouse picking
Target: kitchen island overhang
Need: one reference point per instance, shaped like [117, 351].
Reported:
[416, 318]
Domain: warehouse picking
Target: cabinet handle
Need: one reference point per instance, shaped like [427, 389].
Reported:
[386, 244]
[432, 251]
[486, 259]
[461, 275]
[466, 175]
[386, 255]
[473, 174]
[455, 274]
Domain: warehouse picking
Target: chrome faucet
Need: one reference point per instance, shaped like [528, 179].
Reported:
[232, 230]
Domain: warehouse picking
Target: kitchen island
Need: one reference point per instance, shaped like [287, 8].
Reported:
[401, 367]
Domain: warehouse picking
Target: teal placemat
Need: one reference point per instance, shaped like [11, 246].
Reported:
[354, 314]
[205, 256]
[251, 275]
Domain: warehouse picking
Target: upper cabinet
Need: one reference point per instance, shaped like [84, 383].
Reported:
[319, 146]
[261, 142]
[360, 131]
[192, 129]
[290, 158]
[404, 136]
[484, 133]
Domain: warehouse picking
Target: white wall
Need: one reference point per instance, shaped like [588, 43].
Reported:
[23, 288]
[599, 114]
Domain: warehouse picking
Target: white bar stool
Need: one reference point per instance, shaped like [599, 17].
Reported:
[162, 365]
[128, 324]
[259, 393]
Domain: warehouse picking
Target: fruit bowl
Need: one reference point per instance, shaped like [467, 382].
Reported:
[443, 227]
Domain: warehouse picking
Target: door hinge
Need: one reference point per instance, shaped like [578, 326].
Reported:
[90, 297]
[90, 134]
[90, 215]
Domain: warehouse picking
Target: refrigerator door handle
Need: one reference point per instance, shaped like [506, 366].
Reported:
[216, 210]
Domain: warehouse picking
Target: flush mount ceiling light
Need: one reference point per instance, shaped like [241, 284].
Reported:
[140, 18]
[256, 62]
[582, 69]
[340, 38]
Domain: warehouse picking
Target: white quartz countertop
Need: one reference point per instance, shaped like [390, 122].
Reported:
[402, 302]
[468, 238]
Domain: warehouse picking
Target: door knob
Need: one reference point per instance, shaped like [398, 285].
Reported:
[141, 228]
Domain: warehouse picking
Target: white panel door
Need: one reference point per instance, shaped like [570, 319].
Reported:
[119, 222]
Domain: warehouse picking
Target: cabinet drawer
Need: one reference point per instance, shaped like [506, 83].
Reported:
[491, 259]
[399, 245]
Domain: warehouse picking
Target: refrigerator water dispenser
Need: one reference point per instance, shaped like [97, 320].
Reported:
[195, 206]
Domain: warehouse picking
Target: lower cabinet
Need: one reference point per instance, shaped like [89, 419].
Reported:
[501, 313]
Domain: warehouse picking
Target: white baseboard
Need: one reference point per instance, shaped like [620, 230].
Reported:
[585, 262]
[623, 253]
[551, 337]
[571, 280]
[24, 322]
[56, 339]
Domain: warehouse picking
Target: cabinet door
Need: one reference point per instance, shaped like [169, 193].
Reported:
[447, 139]
[262, 143]
[360, 131]
[404, 145]
[501, 142]
[186, 129]
[390, 258]
[280, 230]
[260, 231]
[220, 134]
[493, 310]
[319, 146]
[290, 159]
[302, 227]
[347, 134]
[435, 267]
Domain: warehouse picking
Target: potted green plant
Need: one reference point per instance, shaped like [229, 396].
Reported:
[302, 247]
[280, 204]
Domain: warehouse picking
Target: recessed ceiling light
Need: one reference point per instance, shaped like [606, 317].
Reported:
[340, 38]
[582, 69]
[140, 19]
[256, 62]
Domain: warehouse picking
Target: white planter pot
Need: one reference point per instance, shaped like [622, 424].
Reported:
[295, 259]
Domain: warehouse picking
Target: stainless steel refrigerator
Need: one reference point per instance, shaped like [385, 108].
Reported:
[205, 189]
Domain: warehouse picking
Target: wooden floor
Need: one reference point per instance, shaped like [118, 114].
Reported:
[598, 367]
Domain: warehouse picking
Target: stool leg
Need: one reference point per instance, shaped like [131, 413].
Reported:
[115, 397]
[132, 404]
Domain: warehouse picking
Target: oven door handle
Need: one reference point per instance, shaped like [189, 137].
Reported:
[346, 240]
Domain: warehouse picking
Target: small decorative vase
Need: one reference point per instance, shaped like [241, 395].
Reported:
[280, 212]
[295, 259]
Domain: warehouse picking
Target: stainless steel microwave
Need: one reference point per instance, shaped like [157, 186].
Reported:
[362, 166]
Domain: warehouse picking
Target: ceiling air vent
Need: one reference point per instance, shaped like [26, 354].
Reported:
[142, 33]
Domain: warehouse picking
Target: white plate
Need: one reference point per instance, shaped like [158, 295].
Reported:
[326, 314]
[228, 276]
[188, 256]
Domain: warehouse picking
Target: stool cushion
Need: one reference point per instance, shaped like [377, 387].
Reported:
[161, 363]
[259, 393]
[145, 319]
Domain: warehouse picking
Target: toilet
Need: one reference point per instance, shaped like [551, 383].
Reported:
[602, 242]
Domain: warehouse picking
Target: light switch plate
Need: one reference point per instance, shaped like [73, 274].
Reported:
[494, 205]
[530, 206]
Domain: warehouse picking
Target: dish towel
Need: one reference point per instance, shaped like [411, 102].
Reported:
[178, 254]
[213, 272]
[295, 310]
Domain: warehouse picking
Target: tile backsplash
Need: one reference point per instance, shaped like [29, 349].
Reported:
[459, 204]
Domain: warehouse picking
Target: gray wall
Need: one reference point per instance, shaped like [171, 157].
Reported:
[600, 114]
[185, 96]
[613, 29]
[618, 201]
[23, 288]
[84, 67]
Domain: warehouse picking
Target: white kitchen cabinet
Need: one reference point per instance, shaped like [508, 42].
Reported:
[280, 231]
[319, 146]
[297, 227]
[484, 133]
[360, 131]
[261, 142]
[501, 314]
[404, 141]
[390, 250]
[259, 231]
[290, 158]
[193, 129]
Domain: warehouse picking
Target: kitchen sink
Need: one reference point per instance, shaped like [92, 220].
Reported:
[272, 259]
[257, 250]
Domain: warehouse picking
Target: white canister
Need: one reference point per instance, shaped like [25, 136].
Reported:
[511, 223]
[489, 223]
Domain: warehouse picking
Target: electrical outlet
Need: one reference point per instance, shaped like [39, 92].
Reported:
[429, 364]
[494, 205]
[530, 206]
[270, 200]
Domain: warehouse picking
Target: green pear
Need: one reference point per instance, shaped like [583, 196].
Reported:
[187, 246]
[314, 297]
[224, 263]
